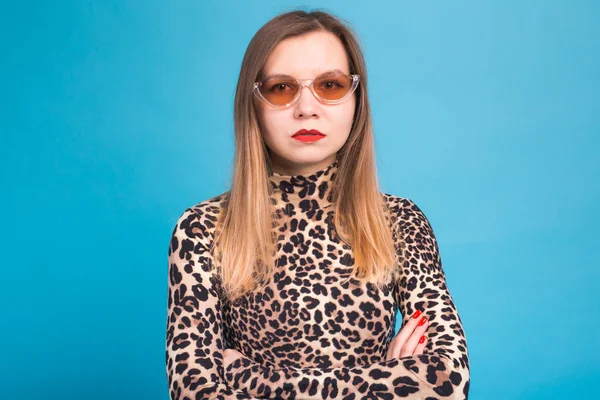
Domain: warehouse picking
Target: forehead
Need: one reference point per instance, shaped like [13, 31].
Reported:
[307, 56]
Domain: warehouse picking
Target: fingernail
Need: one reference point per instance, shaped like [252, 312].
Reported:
[422, 321]
[416, 314]
[422, 339]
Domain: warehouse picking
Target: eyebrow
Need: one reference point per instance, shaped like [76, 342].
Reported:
[326, 73]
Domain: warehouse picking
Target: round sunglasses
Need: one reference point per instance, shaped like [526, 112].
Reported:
[282, 92]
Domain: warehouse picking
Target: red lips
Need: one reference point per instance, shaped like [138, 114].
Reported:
[308, 132]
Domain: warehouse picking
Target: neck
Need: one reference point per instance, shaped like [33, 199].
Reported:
[314, 187]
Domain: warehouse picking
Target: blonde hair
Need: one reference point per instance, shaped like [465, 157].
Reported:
[245, 239]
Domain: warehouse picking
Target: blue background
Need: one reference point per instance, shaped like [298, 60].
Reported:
[117, 115]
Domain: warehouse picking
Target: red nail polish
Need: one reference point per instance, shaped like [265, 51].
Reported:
[422, 321]
[416, 314]
[422, 340]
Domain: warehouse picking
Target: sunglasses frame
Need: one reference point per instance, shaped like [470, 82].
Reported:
[302, 83]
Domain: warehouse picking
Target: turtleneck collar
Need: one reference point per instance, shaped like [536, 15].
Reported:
[296, 188]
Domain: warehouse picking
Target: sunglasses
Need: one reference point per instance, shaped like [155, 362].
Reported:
[283, 92]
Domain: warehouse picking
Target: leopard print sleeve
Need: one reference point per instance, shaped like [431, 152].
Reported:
[444, 367]
[441, 372]
[194, 357]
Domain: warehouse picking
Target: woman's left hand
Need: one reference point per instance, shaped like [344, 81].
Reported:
[229, 356]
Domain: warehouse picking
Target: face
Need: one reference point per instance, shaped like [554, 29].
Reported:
[306, 57]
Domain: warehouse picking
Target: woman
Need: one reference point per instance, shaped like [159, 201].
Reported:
[287, 285]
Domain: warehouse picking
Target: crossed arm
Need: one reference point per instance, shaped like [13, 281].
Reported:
[194, 345]
[194, 330]
[441, 372]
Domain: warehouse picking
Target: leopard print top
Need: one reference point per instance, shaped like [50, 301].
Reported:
[309, 334]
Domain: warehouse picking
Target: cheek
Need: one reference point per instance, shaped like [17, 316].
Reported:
[264, 120]
[276, 120]
[345, 114]
[273, 123]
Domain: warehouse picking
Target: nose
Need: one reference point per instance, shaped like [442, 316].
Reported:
[307, 105]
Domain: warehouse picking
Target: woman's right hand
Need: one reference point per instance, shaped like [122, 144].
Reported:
[410, 340]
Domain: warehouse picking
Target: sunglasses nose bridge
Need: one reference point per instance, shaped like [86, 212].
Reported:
[306, 83]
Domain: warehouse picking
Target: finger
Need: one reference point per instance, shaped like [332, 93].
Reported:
[393, 349]
[421, 346]
[406, 331]
[412, 342]
[396, 344]
[229, 356]
[231, 353]
[409, 326]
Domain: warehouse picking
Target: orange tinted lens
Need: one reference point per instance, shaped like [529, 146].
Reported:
[333, 87]
[279, 91]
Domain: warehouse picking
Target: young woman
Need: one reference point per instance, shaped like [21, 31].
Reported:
[288, 285]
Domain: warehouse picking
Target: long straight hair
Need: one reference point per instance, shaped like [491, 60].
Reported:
[244, 247]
